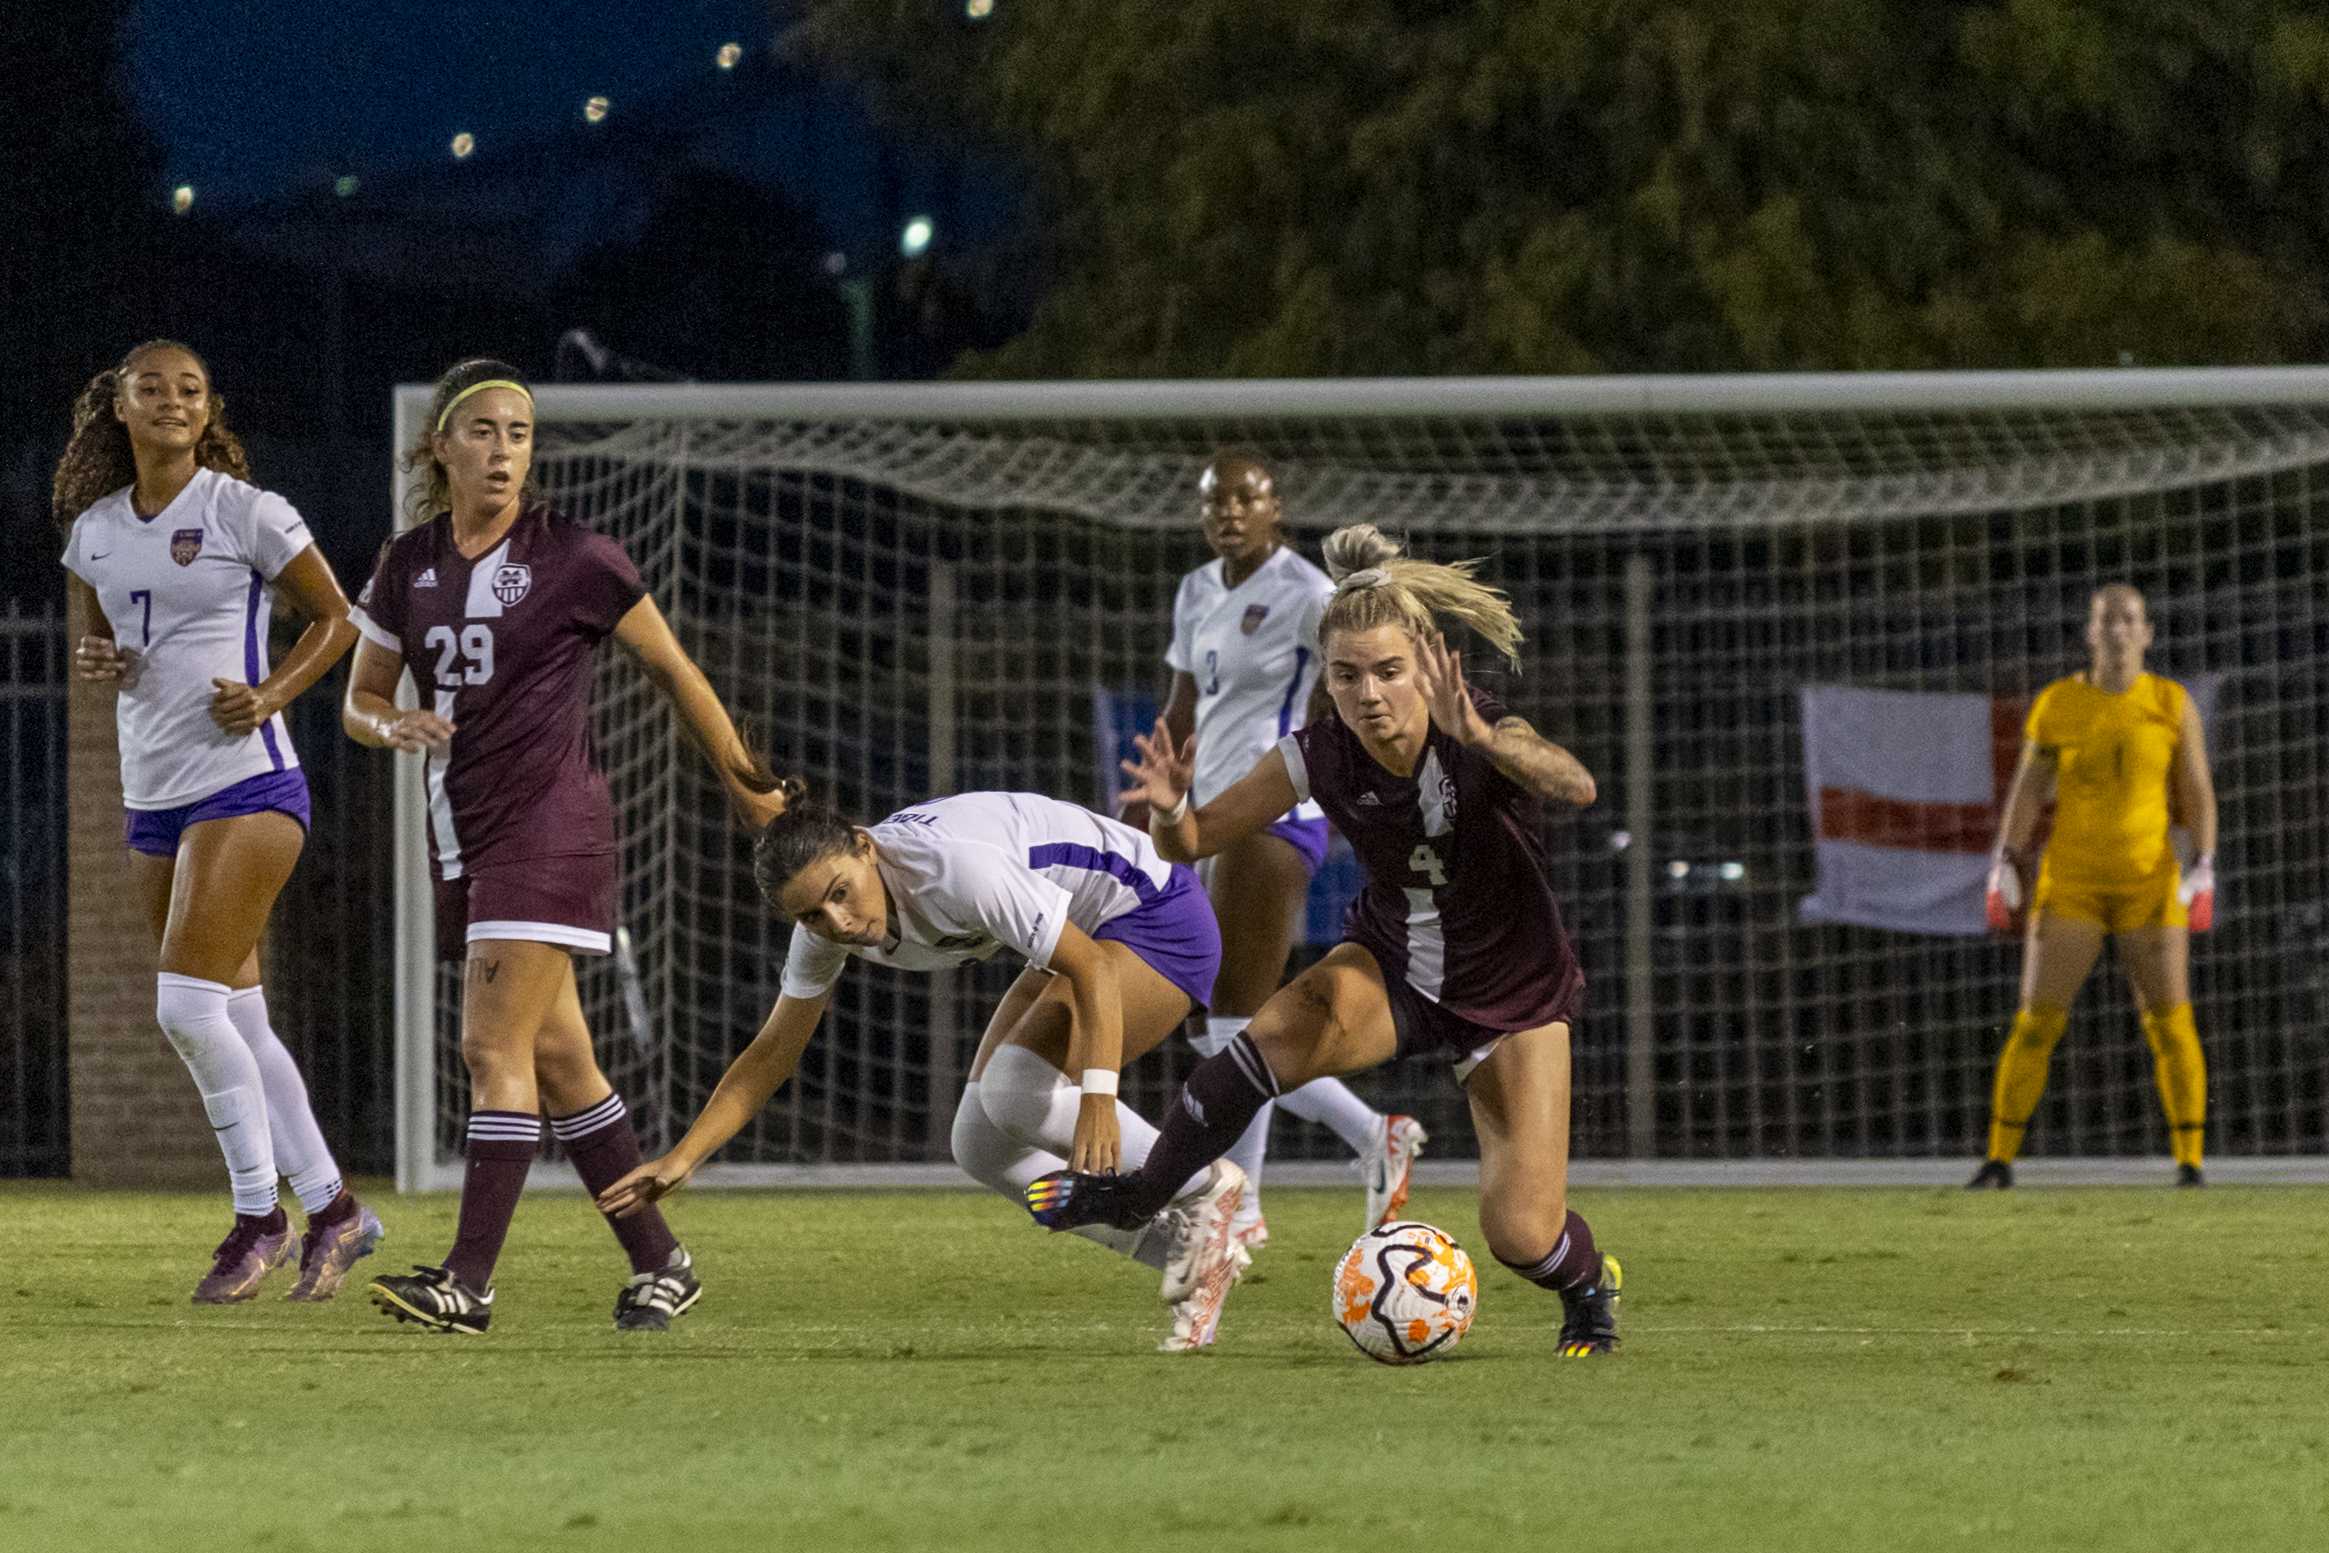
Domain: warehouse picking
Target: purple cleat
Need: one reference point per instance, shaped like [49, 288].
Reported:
[332, 1246]
[255, 1247]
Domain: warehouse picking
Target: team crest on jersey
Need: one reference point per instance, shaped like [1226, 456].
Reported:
[512, 582]
[1255, 614]
[185, 545]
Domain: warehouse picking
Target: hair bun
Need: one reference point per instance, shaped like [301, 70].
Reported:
[1358, 547]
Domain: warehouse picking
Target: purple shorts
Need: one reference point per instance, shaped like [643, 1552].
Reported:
[1307, 837]
[155, 832]
[1174, 934]
[567, 901]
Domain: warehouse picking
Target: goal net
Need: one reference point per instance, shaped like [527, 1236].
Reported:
[912, 590]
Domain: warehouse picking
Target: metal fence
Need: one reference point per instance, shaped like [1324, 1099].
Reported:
[34, 1140]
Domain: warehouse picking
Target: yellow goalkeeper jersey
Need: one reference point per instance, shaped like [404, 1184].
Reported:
[2112, 755]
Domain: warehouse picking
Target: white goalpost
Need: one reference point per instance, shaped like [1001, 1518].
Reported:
[918, 589]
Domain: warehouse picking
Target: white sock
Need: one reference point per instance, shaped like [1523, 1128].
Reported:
[193, 1014]
[301, 1155]
[1001, 1163]
[1248, 1151]
[1034, 1102]
[1329, 1102]
[1219, 1031]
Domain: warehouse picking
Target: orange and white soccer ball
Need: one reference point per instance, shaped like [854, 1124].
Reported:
[1404, 1292]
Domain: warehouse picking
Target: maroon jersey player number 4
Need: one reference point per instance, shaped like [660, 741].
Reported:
[1458, 904]
[1454, 950]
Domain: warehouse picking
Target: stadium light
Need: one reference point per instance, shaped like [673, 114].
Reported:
[915, 239]
[978, 10]
[182, 198]
[728, 55]
[594, 111]
[463, 144]
[345, 185]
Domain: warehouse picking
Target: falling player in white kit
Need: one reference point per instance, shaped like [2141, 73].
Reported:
[1119, 946]
[173, 553]
[1245, 662]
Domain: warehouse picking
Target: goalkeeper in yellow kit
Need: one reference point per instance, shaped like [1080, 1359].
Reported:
[2120, 750]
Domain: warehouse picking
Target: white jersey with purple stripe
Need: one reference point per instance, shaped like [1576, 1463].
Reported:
[1253, 651]
[971, 875]
[186, 591]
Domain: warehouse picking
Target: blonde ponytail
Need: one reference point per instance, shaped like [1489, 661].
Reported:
[1377, 586]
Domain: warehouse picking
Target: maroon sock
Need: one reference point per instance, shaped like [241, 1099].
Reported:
[502, 1146]
[1573, 1264]
[1220, 1100]
[340, 1207]
[604, 1148]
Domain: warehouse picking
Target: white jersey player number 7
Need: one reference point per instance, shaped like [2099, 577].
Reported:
[186, 592]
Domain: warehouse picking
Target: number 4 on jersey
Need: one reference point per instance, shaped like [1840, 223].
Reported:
[1425, 861]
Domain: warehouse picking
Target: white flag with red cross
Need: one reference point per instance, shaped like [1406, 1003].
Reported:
[1906, 788]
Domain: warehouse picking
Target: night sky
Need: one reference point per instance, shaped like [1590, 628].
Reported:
[253, 101]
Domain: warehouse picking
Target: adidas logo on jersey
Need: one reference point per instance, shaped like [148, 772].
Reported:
[427, 579]
[1369, 801]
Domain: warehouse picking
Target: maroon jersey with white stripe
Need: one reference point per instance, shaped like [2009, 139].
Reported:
[1458, 901]
[501, 647]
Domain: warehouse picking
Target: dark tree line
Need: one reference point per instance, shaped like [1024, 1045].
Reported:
[1374, 186]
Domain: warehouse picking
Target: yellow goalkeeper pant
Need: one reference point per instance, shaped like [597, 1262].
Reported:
[2183, 1079]
[2021, 1077]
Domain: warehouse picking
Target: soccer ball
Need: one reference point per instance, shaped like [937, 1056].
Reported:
[1405, 1292]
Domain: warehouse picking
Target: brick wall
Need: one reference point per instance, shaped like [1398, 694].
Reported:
[136, 1118]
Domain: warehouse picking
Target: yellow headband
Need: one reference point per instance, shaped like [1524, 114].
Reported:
[454, 403]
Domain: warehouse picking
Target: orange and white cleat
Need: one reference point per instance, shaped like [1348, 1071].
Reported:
[1391, 1166]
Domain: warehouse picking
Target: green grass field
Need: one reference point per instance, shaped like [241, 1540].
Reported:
[2101, 1368]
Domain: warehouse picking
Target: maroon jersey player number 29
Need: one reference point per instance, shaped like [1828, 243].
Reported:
[495, 604]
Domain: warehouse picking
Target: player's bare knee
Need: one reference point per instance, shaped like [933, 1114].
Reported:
[1286, 1049]
[493, 1054]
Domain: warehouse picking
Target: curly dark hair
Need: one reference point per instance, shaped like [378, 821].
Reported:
[98, 459]
[434, 493]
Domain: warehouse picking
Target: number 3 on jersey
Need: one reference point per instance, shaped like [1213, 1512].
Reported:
[475, 644]
[1425, 861]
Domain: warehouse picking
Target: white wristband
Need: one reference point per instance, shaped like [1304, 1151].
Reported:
[1178, 812]
[1099, 1081]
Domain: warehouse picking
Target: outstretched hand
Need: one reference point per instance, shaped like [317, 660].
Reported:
[1163, 773]
[649, 1183]
[1439, 672]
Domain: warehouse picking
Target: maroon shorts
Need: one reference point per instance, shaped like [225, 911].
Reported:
[1428, 1030]
[567, 901]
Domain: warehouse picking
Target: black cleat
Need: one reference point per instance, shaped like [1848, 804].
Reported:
[1994, 1175]
[2189, 1175]
[650, 1300]
[1589, 1316]
[432, 1297]
[1070, 1199]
